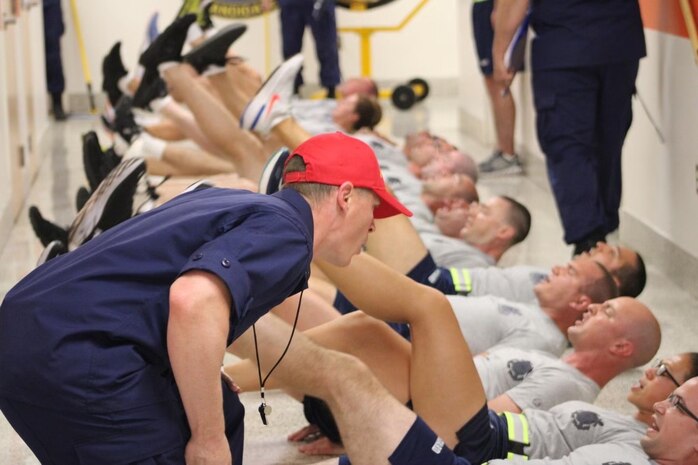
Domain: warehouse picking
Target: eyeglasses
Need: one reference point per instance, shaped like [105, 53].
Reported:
[662, 370]
[678, 402]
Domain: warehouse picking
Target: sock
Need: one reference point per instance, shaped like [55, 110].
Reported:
[194, 33]
[212, 70]
[146, 146]
[164, 66]
[159, 103]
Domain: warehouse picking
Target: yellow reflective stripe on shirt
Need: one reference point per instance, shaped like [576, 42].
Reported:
[462, 281]
[517, 432]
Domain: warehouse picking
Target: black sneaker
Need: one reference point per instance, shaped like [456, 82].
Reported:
[45, 230]
[92, 159]
[52, 250]
[151, 87]
[124, 122]
[81, 197]
[204, 16]
[113, 70]
[168, 45]
[585, 245]
[272, 174]
[109, 205]
[212, 51]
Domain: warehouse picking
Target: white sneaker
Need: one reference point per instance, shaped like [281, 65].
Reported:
[270, 105]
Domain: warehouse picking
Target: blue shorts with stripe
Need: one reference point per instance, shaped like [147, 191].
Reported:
[483, 438]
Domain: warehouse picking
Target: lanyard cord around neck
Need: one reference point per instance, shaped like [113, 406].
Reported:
[264, 410]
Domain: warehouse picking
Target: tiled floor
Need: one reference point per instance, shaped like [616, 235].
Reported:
[61, 174]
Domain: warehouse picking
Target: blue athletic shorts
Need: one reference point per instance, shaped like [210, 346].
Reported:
[484, 34]
[483, 438]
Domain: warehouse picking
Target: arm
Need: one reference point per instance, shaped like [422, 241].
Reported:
[507, 17]
[503, 403]
[197, 332]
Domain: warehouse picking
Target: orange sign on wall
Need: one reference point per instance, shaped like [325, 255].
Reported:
[666, 16]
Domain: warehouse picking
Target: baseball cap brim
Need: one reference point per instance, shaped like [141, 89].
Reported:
[388, 206]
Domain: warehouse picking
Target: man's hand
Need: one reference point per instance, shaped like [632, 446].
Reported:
[209, 451]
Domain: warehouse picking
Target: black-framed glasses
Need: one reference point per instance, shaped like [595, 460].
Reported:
[678, 402]
[662, 370]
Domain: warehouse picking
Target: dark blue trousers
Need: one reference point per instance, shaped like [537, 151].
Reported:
[151, 435]
[53, 30]
[583, 116]
[295, 17]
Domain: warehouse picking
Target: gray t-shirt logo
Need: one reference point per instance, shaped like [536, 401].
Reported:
[393, 181]
[518, 369]
[584, 420]
[508, 310]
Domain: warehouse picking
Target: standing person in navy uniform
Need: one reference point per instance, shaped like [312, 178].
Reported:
[585, 59]
[55, 80]
[319, 15]
[112, 352]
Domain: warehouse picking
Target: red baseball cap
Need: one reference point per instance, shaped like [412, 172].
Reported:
[335, 158]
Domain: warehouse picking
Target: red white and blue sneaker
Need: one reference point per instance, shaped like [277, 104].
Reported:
[270, 105]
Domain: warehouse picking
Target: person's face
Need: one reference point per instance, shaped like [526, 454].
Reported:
[353, 227]
[673, 434]
[354, 86]
[440, 190]
[656, 382]
[601, 324]
[442, 164]
[344, 114]
[423, 153]
[565, 284]
[451, 219]
[485, 221]
[613, 257]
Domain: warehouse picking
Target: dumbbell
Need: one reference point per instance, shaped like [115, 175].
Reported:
[406, 95]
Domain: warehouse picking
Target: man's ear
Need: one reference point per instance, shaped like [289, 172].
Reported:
[622, 348]
[506, 233]
[344, 192]
[581, 303]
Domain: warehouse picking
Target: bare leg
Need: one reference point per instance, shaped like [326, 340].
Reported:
[396, 243]
[314, 312]
[352, 392]
[504, 111]
[187, 123]
[216, 121]
[179, 160]
[445, 387]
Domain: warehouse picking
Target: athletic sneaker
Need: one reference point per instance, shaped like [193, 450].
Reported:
[272, 174]
[113, 70]
[151, 87]
[81, 197]
[168, 45]
[52, 250]
[124, 122]
[92, 159]
[498, 165]
[202, 9]
[212, 51]
[270, 105]
[110, 204]
[45, 230]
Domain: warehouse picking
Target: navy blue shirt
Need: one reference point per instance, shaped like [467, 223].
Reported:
[93, 323]
[573, 33]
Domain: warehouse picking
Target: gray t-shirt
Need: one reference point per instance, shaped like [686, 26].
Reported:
[450, 252]
[488, 322]
[514, 283]
[315, 116]
[571, 425]
[597, 454]
[532, 379]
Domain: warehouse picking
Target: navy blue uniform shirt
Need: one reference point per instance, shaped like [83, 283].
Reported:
[89, 329]
[573, 33]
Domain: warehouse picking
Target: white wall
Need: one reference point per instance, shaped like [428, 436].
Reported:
[659, 179]
[426, 47]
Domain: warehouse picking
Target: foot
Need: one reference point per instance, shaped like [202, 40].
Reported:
[213, 50]
[92, 159]
[500, 164]
[45, 230]
[124, 123]
[52, 250]
[113, 70]
[81, 197]
[321, 446]
[270, 105]
[151, 87]
[110, 204]
[272, 174]
[168, 45]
